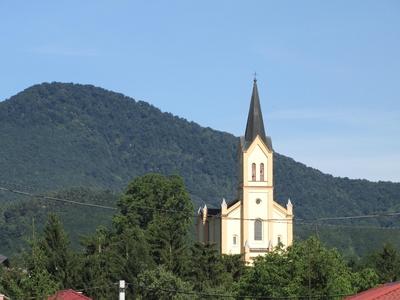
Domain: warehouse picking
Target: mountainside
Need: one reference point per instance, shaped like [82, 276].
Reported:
[59, 135]
[56, 136]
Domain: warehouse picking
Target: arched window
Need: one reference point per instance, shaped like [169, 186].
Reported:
[253, 172]
[258, 230]
[261, 172]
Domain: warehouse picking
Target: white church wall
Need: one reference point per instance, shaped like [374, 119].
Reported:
[257, 156]
[258, 209]
[279, 229]
[233, 229]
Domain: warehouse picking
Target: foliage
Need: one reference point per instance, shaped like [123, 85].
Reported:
[205, 268]
[307, 269]
[58, 135]
[164, 285]
[365, 279]
[161, 206]
[16, 218]
[386, 262]
[55, 246]
[138, 248]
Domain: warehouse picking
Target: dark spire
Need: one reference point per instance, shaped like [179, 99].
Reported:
[255, 123]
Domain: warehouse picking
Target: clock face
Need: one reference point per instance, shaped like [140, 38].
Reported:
[258, 201]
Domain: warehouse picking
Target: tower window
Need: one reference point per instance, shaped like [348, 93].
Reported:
[279, 240]
[261, 172]
[234, 240]
[258, 230]
[253, 172]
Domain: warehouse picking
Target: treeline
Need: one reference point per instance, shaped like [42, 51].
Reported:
[19, 213]
[149, 245]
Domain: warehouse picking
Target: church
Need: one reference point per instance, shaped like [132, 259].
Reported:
[252, 224]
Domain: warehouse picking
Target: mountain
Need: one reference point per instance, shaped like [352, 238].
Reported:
[56, 136]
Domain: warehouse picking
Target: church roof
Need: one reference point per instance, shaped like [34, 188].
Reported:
[213, 211]
[217, 211]
[255, 123]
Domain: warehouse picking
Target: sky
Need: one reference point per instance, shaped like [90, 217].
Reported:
[328, 71]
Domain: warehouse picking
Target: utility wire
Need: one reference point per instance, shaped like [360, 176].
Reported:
[282, 220]
[55, 198]
[236, 296]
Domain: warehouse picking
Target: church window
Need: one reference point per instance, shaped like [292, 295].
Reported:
[279, 239]
[253, 172]
[261, 172]
[258, 230]
[235, 239]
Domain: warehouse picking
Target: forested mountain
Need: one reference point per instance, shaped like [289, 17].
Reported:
[56, 136]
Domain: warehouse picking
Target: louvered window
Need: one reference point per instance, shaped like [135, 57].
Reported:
[261, 172]
[258, 230]
[253, 172]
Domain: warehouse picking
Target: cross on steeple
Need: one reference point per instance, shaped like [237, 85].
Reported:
[255, 76]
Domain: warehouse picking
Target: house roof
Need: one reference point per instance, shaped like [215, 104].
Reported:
[68, 295]
[388, 291]
[3, 258]
[255, 123]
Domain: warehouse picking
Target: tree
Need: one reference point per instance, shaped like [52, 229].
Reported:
[306, 269]
[269, 277]
[161, 206]
[319, 271]
[38, 283]
[101, 265]
[365, 279]
[206, 269]
[59, 260]
[160, 284]
[386, 263]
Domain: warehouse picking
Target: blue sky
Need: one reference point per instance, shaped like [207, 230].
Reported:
[329, 71]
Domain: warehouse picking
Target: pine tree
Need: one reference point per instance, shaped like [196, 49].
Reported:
[59, 260]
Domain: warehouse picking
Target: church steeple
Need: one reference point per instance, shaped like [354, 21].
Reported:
[255, 123]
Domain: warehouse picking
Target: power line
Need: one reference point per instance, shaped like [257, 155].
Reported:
[348, 226]
[56, 199]
[373, 215]
[236, 296]
[277, 220]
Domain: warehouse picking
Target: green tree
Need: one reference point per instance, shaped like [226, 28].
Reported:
[12, 281]
[234, 265]
[269, 277]
[59, 259]
[206, 269]
[161, 206]
[160, 284]
[134, 253]
[307, 269]
[365, 279]
[319, 271]
[101, 265]
[38, 283]
[386, 263]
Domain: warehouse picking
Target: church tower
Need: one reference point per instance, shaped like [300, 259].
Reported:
[253, 223]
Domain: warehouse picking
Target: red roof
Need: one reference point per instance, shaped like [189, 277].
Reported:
[68, 295]
[388, 291]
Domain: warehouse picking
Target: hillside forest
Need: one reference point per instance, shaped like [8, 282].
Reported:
[64, 144]
[149, 245]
